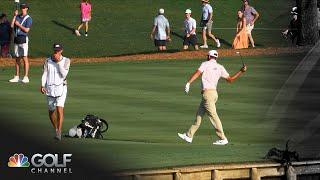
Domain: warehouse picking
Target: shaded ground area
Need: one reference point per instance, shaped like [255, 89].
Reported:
[175, 55]
[302, 123]
[296, 107]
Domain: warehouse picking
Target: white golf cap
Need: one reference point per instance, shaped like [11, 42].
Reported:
[188, 11]
[161, 11]
[213, 53]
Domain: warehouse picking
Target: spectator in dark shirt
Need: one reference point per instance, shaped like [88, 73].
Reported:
[292, 31]
[5, 34]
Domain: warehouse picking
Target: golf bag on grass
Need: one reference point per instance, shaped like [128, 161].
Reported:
[91, 127]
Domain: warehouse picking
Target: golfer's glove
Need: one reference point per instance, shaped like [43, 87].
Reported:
[187, 88]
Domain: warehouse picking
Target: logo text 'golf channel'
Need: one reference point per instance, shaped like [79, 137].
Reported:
[43, 163]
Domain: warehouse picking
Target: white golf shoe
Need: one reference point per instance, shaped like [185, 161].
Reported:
[14, 79]
[185, 137]
[204, 46]
[221, 142]
[25, 79]
[218, 43]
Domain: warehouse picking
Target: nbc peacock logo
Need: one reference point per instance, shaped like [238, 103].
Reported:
[18, 160]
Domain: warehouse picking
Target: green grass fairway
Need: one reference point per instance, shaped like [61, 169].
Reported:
[123, 27]
[145, 105]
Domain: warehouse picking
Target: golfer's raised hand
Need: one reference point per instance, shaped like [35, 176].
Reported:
[244, 68]
[187, 88]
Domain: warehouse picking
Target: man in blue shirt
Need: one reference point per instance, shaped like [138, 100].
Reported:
[21, 24]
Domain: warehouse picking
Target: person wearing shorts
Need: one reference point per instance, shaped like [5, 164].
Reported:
[190, 37]
[54, 85]
[206, 24]
[251, 16]
[21, 23]
[161, 29]
[85, 8]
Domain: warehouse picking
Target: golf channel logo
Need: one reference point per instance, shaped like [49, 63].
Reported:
[43, 164]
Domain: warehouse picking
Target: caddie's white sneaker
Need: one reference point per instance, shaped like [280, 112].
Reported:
[25, 79]
[218, 43]
[204, 46]
[14, 79]
[185, 137]
[77, 32]
[221, 142]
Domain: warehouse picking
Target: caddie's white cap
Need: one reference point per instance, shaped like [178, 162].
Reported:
[161, 11]
[188, 11]
[213, 53]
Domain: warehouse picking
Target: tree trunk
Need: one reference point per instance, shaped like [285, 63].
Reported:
[308, 20]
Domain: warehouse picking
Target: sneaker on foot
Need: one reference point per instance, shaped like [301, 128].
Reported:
[58, 135]
[221, 142]
[204, 46]
[25, 79]
[86, 34]
[185, 137]
[14, 79]
[218, 43]
[77, 32]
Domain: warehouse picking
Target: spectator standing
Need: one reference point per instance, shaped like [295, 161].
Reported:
[292, 31]
[85, 8]
[206, 24]
[21, 23]
[161, 29]
[241, 39]
[5, 35]
[251, 16]
[190, 36]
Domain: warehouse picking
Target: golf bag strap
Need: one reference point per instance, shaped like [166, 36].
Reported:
[23, 20]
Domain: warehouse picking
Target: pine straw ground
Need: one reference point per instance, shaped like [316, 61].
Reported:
[271, 51]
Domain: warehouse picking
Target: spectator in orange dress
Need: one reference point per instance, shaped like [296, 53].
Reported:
[241, 39]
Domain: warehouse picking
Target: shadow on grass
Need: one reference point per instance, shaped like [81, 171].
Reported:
[63, 26]
[145, 52]
[177, 35]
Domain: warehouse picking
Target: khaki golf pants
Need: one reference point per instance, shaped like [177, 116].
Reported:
[208, 105]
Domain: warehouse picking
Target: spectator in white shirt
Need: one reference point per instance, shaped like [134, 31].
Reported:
[161, 29]
[190, 36]
[206, 24]
[211, 73]
[54, 85]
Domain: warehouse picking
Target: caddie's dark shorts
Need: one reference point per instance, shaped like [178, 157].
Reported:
[192, 39]
[203, 23]
[160, 42]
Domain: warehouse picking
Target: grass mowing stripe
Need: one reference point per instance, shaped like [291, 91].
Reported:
[146, 113]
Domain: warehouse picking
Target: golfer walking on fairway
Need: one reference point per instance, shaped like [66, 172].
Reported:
[54, 85]
[211, 73]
